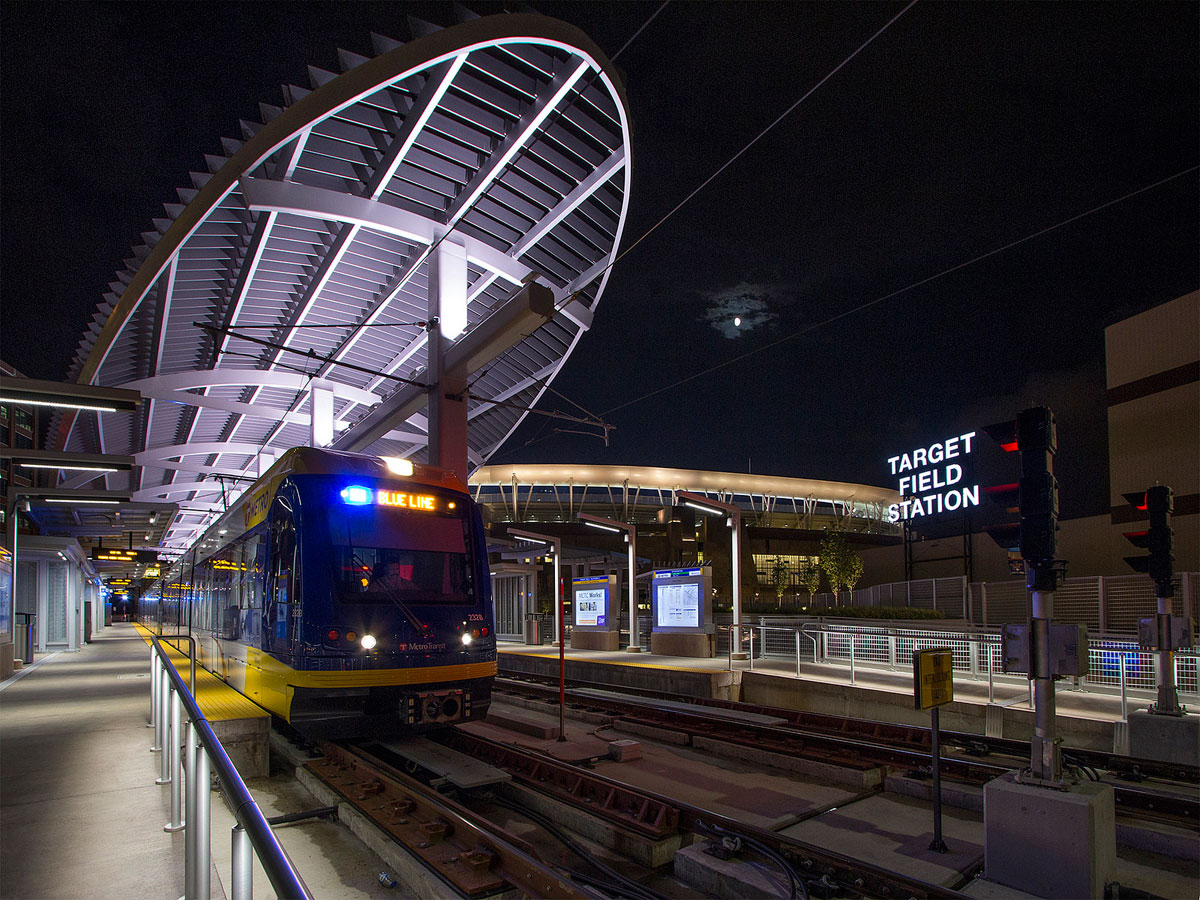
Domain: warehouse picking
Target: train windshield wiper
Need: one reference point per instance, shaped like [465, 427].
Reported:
[393, 594]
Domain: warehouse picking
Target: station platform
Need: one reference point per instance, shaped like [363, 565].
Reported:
[81, 814]
[1088, 719]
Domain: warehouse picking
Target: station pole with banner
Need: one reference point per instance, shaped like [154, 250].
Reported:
[933, 687]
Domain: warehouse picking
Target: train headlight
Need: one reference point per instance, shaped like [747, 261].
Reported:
[368, 642]
[466, 640]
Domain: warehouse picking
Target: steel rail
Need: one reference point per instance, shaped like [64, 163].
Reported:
[866, 879]
[275, 862]
[429, 824]
[886, 745]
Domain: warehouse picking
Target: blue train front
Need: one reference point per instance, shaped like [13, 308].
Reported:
[347, 594]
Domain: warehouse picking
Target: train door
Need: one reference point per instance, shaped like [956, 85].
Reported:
[283, 601]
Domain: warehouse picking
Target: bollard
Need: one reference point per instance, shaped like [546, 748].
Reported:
[176, 823]
[189, 816]
[201, 837]
[243, 865]
[164, 699]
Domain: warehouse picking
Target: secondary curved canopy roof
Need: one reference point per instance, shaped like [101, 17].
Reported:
[508, 133]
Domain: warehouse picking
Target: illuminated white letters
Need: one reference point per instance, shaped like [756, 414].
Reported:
[935, 485]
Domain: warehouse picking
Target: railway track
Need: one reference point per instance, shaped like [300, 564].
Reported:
[478, 857]
[464, 848]
[970, 758]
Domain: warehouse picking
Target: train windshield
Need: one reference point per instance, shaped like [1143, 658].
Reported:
[382, 556]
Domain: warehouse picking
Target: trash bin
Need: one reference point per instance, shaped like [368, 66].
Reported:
[533, 630]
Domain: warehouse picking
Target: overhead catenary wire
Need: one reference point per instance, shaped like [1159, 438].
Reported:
[808, 329]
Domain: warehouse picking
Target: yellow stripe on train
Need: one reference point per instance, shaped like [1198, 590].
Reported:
[270, 683]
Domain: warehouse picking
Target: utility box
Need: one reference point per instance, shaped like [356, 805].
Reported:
[1173, 634]
[1068, 649]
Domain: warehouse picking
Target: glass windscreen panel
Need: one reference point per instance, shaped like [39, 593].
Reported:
[385, 556]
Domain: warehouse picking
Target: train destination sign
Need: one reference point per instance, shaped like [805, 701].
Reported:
[113, 554]
[930, 481]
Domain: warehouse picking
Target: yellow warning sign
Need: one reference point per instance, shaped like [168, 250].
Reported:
[933, 677]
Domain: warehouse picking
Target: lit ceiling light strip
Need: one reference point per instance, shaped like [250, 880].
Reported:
[73, 467]
[81, 500]
[27, 401]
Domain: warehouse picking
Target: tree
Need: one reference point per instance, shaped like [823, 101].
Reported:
[781, 577]
[810, 577]
[841, 565]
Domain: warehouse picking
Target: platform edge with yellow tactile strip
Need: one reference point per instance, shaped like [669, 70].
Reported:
[218, 701]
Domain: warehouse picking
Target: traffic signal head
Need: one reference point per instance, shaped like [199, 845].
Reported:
[1159, 538]
[1035, 496]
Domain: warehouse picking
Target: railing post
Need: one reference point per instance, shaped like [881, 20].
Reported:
[189, 816]
[243, 865]
[153, 691]
[164, 699]
[172, 751]
[891, 649]
[201, 835]
[751, 630]
[991, 666]
[852, 657]
[973, 656]
[797, 652]
[1124, 710]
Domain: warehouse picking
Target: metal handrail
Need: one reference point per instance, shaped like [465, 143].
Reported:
[279, 869]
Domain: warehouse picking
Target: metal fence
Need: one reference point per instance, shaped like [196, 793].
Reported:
[1106, 604]
[1114, 661]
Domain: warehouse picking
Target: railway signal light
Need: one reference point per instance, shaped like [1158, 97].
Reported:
[1034, 497]
[1159, 538]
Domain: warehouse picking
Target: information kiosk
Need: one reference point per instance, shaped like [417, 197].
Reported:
[597, 607]
[681, 606]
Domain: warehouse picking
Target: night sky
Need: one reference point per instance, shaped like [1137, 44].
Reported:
[960, 130]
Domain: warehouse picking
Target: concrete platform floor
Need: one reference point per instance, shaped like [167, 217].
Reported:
[80, 814]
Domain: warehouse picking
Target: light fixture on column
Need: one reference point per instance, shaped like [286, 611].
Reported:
[630, 533]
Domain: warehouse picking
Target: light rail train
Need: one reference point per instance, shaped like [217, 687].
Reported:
[347, 594]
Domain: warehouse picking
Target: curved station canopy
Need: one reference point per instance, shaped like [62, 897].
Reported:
[291, 284]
